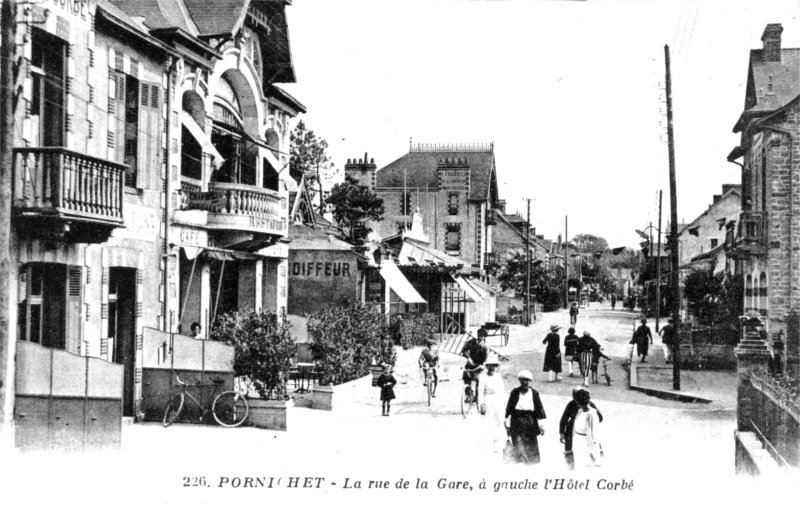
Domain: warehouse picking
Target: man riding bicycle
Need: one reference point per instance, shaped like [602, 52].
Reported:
[476, 352]
[428, 361]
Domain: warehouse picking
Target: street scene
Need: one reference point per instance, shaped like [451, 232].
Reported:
[417, 250]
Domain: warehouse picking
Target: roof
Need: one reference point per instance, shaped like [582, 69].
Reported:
[420, 168]
[415, 253]
[711, 253]
[215, 17]
[315, 239]
[158, 14]
[513, 218]
[733, 189]
[781, 76]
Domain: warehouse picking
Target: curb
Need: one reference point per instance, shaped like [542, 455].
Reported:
[660, 393]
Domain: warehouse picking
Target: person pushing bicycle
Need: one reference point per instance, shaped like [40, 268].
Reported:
[477, 353]
[428, 361]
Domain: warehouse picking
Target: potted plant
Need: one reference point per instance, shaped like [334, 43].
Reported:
[264, 350]
[344, 342]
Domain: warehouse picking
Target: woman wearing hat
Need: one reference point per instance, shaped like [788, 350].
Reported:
[586, 346]
[552, 353]
[524, 410]
[587, 450]
[491, 394]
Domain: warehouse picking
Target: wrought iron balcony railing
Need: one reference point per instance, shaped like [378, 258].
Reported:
[750, 238]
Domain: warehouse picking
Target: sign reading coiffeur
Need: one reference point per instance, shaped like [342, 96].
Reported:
[321, 268]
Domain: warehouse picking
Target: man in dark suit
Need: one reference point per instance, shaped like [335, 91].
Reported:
[477, 353]
[567, 423]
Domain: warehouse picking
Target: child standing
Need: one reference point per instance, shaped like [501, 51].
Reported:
[386, 382]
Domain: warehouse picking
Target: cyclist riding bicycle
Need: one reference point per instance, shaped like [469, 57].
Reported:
[428, 361]
[476, 352]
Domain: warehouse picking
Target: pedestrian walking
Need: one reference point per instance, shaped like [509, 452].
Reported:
[524, 411]
[586, 441]
[586, 345]
[492, 396]
[567, 424]
[573, 314]
[571, 349]
[668, 339]
[552, 353]
[613, 301]
[386, 382]
[642, 337]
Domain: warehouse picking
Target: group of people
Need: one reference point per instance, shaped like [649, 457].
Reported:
[643, 339]
[584, 349]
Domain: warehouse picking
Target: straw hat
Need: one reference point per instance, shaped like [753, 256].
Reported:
[555, 327]
[525, 374]
[492, 361]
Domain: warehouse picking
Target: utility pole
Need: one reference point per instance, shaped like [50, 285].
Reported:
[673, 232]
[528, 266]
[658, 267]
[566, 263]
[7, 337]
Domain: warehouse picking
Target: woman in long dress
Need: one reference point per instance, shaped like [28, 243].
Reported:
[586, 446]
[491, 394]
[524, 410]
[586, 344]
[552, 353]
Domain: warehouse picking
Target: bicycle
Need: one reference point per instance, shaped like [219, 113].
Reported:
[471, 400]
[229, 408]
[430, 382]
[605, 372]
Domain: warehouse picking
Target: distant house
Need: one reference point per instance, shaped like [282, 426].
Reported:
[707, 232]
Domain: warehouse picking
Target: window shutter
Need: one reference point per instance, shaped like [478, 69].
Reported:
[119, 113]
[149, 134]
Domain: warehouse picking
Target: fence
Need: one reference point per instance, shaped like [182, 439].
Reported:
[709, 348]
[775, 419]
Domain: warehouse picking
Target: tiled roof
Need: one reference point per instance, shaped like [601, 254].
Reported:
[214, 17]
[314, 239]
[419, 169]
[785, 75]
[416, 253]
[157, 13]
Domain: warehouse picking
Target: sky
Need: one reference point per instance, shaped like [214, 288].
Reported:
[571, 93]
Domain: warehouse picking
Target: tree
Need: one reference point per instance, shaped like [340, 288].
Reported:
[308, 158]
[714, 299]
[354, 204]
[546, 285]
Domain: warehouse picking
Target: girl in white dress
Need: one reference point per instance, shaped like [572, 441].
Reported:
[585, 443]
[492, 394]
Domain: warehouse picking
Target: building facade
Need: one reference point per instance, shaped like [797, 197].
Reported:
[148, 188]
[761, 241]
[453, 187]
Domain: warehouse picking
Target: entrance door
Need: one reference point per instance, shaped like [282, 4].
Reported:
[122, 328]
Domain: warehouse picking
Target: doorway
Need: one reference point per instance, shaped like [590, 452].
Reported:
[122, 328]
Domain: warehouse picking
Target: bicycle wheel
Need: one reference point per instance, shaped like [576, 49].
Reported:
[174, 408]
[230, 409]
[430, 389]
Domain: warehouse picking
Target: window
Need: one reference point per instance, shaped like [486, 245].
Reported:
[405, 203]
[714, 242]
[270, 178]
[452, 239]
[191, 155]
[52, 298]
[136, 107]
[48, 111]
[452, 204]
[240, 154]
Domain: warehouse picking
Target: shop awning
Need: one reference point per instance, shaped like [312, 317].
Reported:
[399, 284]
[472, 293]
[201, 137]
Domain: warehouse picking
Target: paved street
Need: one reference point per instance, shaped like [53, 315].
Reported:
[644, 438]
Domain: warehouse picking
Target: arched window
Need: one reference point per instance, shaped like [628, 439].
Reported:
[748, 293]
[763, 303]
[229, 138]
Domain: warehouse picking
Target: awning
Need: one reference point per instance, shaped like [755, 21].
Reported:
[201, 137]
[271, 158]
[472, 293]
[399, 284]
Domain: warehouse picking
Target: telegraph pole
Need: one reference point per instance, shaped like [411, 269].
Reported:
[658, 267]
[528, 266]
[673, 232]
[566, 263]
[7, 337]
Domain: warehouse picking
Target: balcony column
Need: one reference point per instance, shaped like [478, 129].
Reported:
[752, 355]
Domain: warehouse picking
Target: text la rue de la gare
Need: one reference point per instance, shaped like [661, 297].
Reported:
[557, 484]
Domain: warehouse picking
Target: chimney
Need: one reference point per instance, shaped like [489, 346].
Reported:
[772, 42]
[362, 170]
[717, 198]
[501, 206]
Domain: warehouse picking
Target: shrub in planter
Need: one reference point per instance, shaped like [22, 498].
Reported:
[264, 349]
[344, 342]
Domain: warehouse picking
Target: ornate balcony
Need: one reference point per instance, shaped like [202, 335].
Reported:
[750, 238]
[244, 216]
[64, 195]
[490, 260]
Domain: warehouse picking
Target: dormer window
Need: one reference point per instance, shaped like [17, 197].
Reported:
[769, 85]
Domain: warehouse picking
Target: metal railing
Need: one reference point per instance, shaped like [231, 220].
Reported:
[266, 209]
[55, 179]
[753, 227]
[775, 420]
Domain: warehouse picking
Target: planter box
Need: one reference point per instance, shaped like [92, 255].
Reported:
[322, 397]
[268, 414]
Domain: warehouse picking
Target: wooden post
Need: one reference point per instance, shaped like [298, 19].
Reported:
[673, 232]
